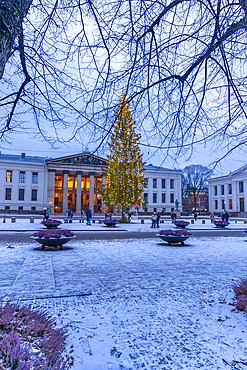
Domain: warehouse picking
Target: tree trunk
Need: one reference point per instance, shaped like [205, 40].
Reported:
[12, 14]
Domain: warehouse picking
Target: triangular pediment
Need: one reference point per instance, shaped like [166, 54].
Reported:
[239, 171]
[78, 159]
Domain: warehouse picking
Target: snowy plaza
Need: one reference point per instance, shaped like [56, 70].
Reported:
[133, 302]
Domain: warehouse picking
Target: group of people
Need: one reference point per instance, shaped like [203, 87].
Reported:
[224, 216]
[155, 218]
[69, 214]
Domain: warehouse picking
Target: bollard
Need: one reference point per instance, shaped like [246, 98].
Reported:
[203, 222]
[142, 221]
[31, 220]
[13, 219]
[192, 221]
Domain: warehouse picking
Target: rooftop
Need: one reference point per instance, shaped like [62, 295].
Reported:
[22, 158]
[151, 167]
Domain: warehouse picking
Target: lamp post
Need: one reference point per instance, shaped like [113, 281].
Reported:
[50, 206]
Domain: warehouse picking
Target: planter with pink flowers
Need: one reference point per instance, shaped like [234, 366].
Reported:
[181, 224]
[53, 238]
[174, 236]
[221, 224]
[51, 224]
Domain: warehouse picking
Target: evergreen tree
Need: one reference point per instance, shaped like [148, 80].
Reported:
[124, 179]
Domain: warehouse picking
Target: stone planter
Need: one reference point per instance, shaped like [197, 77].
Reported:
[181, 224]
[51, 224]
[174, 236]
[53, 242]
[221, 224]
[170, 239]
[110, 223]
[53, 238]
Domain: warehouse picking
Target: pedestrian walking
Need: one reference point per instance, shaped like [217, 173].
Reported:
[195, 215]
[47, 213]
[212, 217]
[172, 217]
[226, 216]
[154, 220]
[89, 217]
[158, 220]
[106, 216]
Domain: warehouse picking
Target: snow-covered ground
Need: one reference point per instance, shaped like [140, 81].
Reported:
[136, 304]
[24, 224]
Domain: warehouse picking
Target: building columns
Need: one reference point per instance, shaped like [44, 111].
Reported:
[65, 190]
[51, 188]
[78, 192]
[91, 191]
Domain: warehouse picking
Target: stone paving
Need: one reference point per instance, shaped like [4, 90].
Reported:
[135, 303]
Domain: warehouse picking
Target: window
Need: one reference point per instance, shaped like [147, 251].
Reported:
[155, 183]
[215, 190]
[229, 188]
[20, 208]
[154, 197]
[171, 184]
[164, 209]
[7, 208]
[145, 197]
[22, 176]
[222, 204]
[21, 194]
[35, 178]
[163, 183]
[34, 194]
[145, 183]
[8, 176]
[172, 198]
[33, 208]
[216, 204]
[163, 197]
[8, 194]
[222, 190]
[155, 209]
[230, 203]
[241, 187]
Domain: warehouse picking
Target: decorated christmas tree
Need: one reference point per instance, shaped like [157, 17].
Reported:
[124, 178]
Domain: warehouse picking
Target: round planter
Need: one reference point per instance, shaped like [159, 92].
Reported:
[53, 242]
[172, 239]
[50, 225]
[181, 225]
[110, 223]
[220, 224]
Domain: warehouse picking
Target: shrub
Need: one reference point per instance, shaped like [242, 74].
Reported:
[240, 291]
[29, 340]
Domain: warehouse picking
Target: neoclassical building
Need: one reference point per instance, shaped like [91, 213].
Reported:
[30, 183]
[229, 192]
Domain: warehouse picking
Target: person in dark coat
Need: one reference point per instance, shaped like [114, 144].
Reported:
[195, 215]
[226, 216]
[172, 216]
[89, 217]
[158, 220]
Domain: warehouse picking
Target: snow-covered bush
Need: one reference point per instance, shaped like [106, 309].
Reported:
[240, 291]
[29, 340]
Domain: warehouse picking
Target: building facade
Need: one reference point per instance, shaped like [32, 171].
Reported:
[30, 183]
[229, 192]
[162, 187]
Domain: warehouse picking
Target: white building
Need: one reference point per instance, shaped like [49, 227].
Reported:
[30, 183]
[162, 188]
[229, 192]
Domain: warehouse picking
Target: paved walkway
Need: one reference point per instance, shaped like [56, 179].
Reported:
[135, 303]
